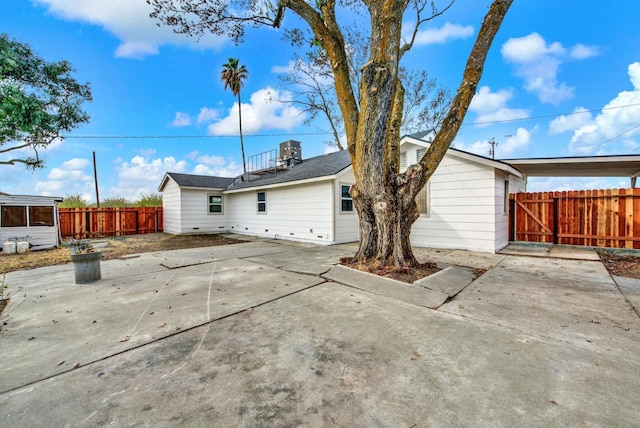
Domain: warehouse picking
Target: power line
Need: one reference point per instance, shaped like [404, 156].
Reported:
[489, 122]
[610, 139]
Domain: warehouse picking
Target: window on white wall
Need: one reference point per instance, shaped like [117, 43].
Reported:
[215, 204]
[14, 216]
[421, 153]
[262, 202]
[422, 199]
[345, 199]
[403, 161]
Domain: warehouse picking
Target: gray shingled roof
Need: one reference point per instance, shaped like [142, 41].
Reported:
[190, 180]
[319, 166]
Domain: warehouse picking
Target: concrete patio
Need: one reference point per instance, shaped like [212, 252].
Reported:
[272, 333]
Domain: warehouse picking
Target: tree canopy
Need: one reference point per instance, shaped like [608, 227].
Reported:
[39, 101]
[372, 105]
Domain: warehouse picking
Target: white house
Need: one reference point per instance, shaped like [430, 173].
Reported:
[463, 206]
[295, 199]
[30, 218]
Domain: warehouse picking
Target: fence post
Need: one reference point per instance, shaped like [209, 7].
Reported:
[87, 224]
[137, 230]
[512, 218]
[555, 221]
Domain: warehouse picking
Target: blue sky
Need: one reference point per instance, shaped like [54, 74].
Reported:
[562, 79]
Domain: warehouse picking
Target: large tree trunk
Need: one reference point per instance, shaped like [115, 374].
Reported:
[383, 197]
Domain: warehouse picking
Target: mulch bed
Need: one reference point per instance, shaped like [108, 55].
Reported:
[621, 264]
[404, 274]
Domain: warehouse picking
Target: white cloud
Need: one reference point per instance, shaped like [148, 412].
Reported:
[505, 147]
[616, 128]
[538, 62]
[230, 169]
[143, 175]
[281, 69]
[553, 184]
[207, 115]
[260, 114]
[432, 36]
[129, 21]
[513, 143]
[70, 177]
[570, 122]
[492, 106]
[181, 119]
[580, 51]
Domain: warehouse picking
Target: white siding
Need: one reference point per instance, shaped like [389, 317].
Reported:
[194, 214]
[35, 235]
[461, 206]
[516, 184]
[171, 208]
[296, 212]
[346, 224]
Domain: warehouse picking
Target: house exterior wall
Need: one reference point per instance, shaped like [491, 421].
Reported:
[462, 206]
[346, 223]
[515, 185]
[35, 235]
[171, 208]
[300, 212]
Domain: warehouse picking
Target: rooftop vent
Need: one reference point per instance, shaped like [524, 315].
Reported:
[290, 152]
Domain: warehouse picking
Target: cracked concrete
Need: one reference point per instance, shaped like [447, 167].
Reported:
[250, 335]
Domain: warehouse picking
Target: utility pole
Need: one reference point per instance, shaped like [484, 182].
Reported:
[95, 178]
[492, 149]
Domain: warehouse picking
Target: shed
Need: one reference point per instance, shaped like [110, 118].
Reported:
[31, 218]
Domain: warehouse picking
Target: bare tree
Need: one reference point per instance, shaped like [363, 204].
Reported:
[372, 113]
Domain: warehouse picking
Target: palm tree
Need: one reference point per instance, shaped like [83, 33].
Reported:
[233, 75]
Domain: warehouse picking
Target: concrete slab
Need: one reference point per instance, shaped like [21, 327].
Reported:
[471, 259]
[234, 342]
[352, 359]
[575, 253]
[549, 250]
[312, 261]
[386, 287]
[572, 301]
[54, 324]
[450, 280]
[630, 288]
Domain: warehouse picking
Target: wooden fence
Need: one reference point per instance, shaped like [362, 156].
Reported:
[101, 222]
[599, 218]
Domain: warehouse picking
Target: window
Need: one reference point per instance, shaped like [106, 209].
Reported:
[422, 199]
[262, 202]
[505, 207]
[403, 161]
[40, 216]
[215, 204]
[345, 199]
[14, 216]
[421, 153]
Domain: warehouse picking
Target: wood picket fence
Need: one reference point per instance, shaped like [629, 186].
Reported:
[81, 223]
[598, 218]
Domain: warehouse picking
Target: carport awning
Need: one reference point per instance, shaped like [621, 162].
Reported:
[588, 166]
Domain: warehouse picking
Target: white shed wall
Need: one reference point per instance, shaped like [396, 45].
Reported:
[36, 235]
[171, 208]
[297, 212]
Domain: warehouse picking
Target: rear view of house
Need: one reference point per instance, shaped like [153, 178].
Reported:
[463, 206]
